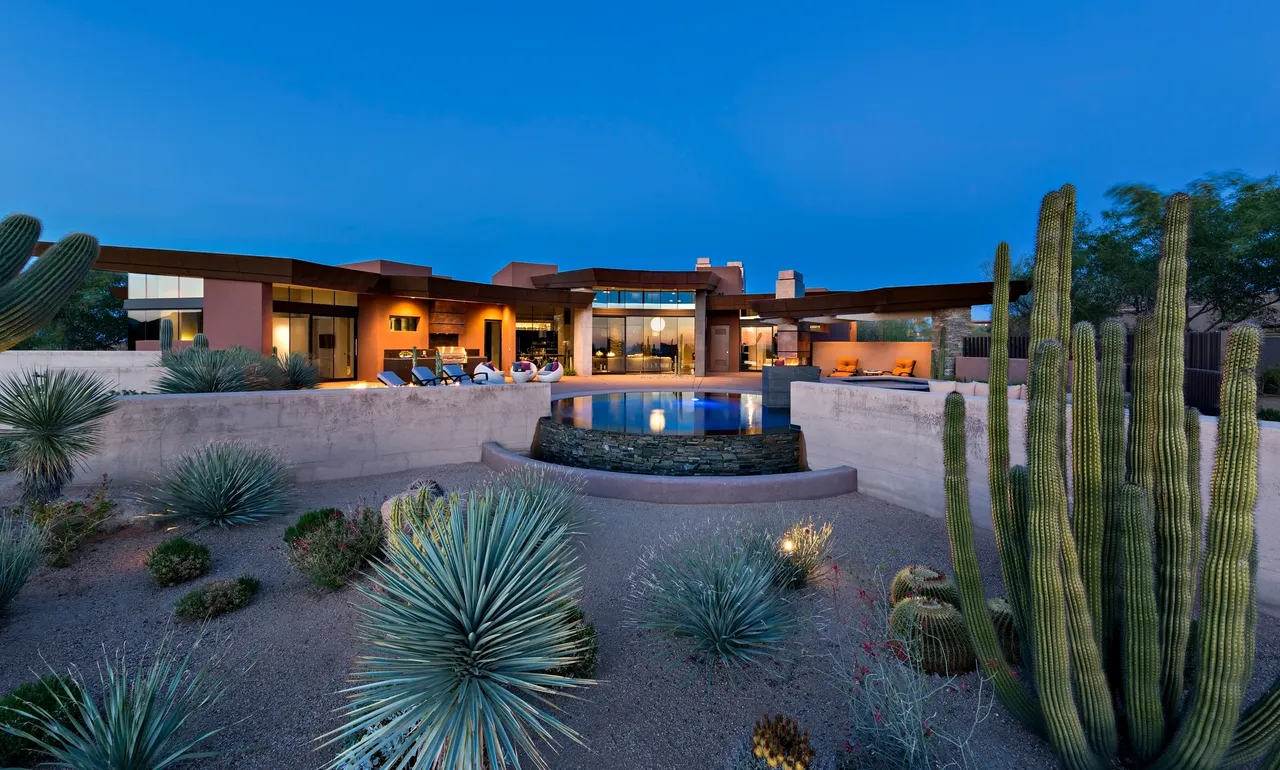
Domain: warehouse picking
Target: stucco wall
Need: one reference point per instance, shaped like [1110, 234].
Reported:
[894, 440]
[237, 313]
[872, 355]
[122, 369]
[374, 335]
[324, 434]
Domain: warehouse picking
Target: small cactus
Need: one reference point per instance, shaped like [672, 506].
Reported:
[919, 580]
[780, 743]
[1006, 630]
[166, 337]
[935, 634]
[200, 342]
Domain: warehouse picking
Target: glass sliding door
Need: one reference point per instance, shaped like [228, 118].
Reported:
[757, 347]
[642, 344]
[330, 341]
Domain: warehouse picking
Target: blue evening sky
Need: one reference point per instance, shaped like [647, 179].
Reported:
[864, 144]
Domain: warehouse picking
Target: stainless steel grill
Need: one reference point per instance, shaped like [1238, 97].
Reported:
[452, 355]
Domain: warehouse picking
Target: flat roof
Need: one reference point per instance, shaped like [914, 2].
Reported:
[621, 278]
[895, 299]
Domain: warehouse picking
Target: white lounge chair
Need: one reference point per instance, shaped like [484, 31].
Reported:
[492, 375]
[552, 372]
[522, 371]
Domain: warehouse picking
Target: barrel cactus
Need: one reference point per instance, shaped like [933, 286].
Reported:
[931, 635]
[1006, 629]
[29, 299]
[919, 580]
[1103, 549]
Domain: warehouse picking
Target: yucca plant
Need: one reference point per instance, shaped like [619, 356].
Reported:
[200, 370]
[299, 372]
[131, 720]
[21, 547]
[224, 483]
[464, 627]
[720, 593]
[556, 492]
[54, 420]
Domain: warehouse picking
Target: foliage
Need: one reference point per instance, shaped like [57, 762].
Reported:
[177, 560]
[199, 369]
[225, 483]
[217, 597]
[31, 297]
[55, 421]
[780, 743]
[300, 372]
[21, 546]
[7, 449]
[68, 523]
[92, 319]
[136, 718]
[585, 638]
[15, 750]
[921, 580]
[720, 593]
[1271, 380]
[331, 550]
[803, 552]
[895, 330]
[309, 521]
[540, 489]
[1269, 414]
[463, 638]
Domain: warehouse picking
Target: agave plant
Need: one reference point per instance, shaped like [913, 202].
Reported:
[21, 546]
[465, 627]
[559, 493]
[720, 593]
[54, 418]
[299, 372]
[132, 719]
[224, 483]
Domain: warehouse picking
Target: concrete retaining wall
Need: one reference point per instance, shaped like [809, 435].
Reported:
[894, 439]
[122, 369]
[324, 434]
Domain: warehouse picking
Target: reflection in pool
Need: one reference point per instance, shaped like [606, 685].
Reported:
[671, 413]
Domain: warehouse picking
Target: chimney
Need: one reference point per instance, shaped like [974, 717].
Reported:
[790, 285]
[704, 263]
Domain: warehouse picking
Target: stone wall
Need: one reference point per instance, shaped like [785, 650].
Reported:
[122, 369]
[717, 455]
[894, 439]
[323, 434]
[950, 327]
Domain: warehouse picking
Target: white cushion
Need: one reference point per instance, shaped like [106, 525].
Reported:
[942, 386]
[966, 388]
[981, 389]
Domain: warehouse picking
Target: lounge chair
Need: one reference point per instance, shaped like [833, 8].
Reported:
[422, 375]
[454, 373]
[845, 367]
[552, 372]
[492, 376]
[391, 380]
[903, 367]
[522, 371]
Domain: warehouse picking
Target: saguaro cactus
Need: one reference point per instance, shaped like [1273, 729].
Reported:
[30, 299]
[1123, 563]
[200, 342]
[166, 337]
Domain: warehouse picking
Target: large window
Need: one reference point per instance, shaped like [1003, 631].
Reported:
[644, 300]
[142, 286]
[144, 325]
[642, 344]
[758, 350]
[544, 334]
[894, 330]
[329, 340]
[286, 293]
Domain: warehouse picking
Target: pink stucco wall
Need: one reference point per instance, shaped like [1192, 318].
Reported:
[237, 313]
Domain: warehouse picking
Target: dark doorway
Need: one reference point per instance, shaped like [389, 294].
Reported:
[493, 343]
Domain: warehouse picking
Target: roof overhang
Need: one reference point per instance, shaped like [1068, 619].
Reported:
[898, 300]
[617, 278]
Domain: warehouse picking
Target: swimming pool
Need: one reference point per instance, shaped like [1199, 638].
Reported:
[672, 413]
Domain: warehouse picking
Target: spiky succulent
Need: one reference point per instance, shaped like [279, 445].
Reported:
[936, 634]
[54, 419]
[300, 372]
[224, 483]
[21, 546]
[200, 370]
[919, 580]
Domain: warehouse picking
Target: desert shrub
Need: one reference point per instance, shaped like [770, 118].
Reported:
[332, 549]
[225, 483]
[236, 369]
[800, 554]
[131, 718]
[309, 521]
[7, 449]
[217, 597]
[587, 642]
[449, 622]
[559, 493]
[299, 372]
[1269, 414]
[178, 560]
[55, 422]
[1270, 380]
[16, 750]
[68, 523]
[21, 546]
[720, 593]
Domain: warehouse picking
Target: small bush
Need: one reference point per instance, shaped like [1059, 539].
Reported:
[587, 642]
[217, 598]
[16, 750]
[309, 521]
[541, 490]
[225, 483]
[178, 560]
[1271, 380]
[68, 523]
[21, 545]
[801, 554]
[1269, 414]
[335, 547]
[300, 372]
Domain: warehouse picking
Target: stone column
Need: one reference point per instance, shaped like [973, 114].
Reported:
[791, 338]
[700, 332]
[950, 327]
[582, 330]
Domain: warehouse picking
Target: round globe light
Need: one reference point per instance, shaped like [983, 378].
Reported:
[658, 324]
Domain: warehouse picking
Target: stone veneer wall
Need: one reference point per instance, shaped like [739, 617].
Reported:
[716, 455]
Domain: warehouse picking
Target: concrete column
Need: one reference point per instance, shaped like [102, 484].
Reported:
[700, 332]
[950, 327]
[582, 328]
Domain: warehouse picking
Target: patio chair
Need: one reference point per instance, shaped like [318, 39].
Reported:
[845, 367]
[522, 371]
[903, 367]
[454, 373]
[391, 380]
[552, 372]
[422, 375]
[491, 374]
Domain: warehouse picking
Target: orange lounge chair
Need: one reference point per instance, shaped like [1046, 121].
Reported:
[845, 367]
[903, 367]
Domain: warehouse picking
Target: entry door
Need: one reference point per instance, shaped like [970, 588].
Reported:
[493, 343]
[719, 349]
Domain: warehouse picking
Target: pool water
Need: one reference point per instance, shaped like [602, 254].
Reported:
[686, 413]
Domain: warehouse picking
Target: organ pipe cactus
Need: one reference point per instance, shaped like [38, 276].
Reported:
[1101, 558]
[30, 299]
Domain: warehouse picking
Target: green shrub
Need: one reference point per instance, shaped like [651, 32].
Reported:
[68, 523]
[539, 489]
[127, 718]
[800, 554]
[236, 369]
[55, 422]
[309, 521]
[16, 750]
[225, 483]
[466, 634]
[7, 449]
[21, 545]
[178, 560]
[588, 644]
[1269, 414]
[331, 550]
[1271, 380]
[300, 372]
[217, 597]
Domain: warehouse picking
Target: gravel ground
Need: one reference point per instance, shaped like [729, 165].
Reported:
[650, 711]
